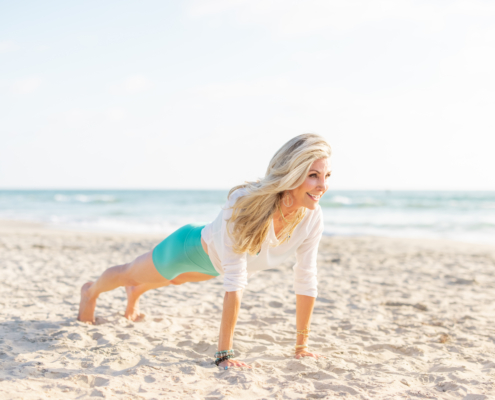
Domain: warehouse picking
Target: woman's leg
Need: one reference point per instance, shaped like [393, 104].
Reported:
[141, 271]
[133, 295]
[135, 292]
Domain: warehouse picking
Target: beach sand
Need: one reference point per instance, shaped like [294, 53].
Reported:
[395, 318]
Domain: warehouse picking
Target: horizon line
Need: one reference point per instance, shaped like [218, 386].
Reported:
[226, 189]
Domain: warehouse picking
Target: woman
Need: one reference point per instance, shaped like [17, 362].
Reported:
[262, 224]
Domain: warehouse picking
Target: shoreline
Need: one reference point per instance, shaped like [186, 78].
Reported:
[17, 226]
[396, 318]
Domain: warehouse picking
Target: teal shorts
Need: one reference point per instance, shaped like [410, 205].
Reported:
[182, 252]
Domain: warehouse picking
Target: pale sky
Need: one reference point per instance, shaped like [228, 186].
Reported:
[200, 94]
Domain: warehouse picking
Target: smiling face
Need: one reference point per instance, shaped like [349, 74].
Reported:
[314, 186]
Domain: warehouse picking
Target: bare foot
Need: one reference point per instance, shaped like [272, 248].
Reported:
[132, 309]
[87, 305]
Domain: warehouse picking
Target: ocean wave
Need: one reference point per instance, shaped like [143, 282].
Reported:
[345, 201]
[85, 198]
[432, 214]
[395, 203]
[341, 200]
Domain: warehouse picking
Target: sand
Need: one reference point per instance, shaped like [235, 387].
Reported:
[395, 318]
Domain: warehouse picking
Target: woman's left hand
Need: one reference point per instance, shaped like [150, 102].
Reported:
[305, 353]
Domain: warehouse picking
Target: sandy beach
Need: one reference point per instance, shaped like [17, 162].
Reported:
[395, 318]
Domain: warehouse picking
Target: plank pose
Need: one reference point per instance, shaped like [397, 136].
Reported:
[261, 225]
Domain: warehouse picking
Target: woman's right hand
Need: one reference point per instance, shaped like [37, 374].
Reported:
[231, 305]
[232, 363]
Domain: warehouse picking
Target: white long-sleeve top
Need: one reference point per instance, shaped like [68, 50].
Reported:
[236, 268]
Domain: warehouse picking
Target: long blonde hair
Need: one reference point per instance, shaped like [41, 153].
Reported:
[252, 213]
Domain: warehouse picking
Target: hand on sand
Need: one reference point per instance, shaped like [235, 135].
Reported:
[232, 364]
[305, 353]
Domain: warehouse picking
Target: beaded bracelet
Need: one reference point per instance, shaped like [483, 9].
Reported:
[300, 346]
[224, 353]
[222, 359]
[304, 332]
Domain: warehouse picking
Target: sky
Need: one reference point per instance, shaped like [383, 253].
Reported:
[199, 94]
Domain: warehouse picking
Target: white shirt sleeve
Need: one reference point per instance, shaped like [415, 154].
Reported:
[305, 282]
[234, 264]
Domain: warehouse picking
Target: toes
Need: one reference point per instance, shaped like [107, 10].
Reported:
[135, 317]
[86, 322]
[140, 318]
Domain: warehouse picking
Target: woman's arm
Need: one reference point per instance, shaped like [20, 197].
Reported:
[231, 306]
[304, 310]
[234, 266]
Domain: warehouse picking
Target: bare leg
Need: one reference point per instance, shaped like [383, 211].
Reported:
[141, 271]
[133, 295]
[135, 292]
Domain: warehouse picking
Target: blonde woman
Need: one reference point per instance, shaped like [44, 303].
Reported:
[261, 225]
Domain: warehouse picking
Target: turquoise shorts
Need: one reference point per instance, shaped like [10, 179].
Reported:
[182, 252]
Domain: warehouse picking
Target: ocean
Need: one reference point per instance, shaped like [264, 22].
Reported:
[464, 216]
